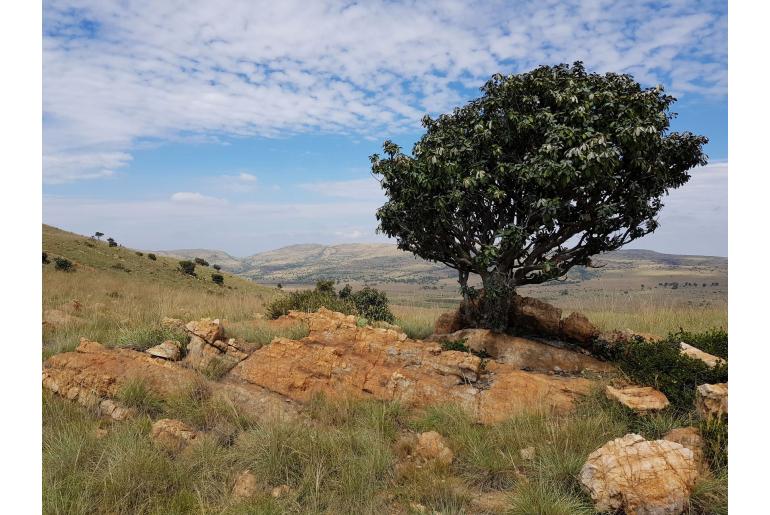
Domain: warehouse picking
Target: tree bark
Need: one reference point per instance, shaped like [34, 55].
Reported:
[495, 302]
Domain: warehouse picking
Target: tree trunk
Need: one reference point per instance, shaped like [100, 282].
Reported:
[495, 303]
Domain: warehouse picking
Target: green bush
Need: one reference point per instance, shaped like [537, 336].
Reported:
[372, 304]
[309, 301]
[65, 265]
[139, 253]
[201, 261]
[112, 242]
[660, 364]
[713, 341]
[345, 292]
[218, 279]
[187, 267]
[325, 286]
[152, 256]
[216, 267]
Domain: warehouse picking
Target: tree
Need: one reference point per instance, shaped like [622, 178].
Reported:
[187, 267]
[98, 235]
[112, 242]
[325, 286]
[345, 292]
[201, 261]
[545, 170]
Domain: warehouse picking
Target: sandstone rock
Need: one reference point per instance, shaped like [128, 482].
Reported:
[527, 354]
[711, 400]
[577, 327]
[533, 315]
[447, 323]
[689, 437]
[207, 329]
[115, 410]
[170, 349]
[640, 476]
[172, 435]
[94, 373]
[695, 353]
[339, 358]
[172, 323]
[433, 447]
[527, 453]
[204, 357]
[638, 398]
[280, 491]
[245, 485]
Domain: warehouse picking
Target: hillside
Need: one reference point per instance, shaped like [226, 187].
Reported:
[385, 263]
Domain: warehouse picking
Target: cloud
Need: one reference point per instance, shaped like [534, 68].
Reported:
[121, 74]
[189, 197]
[368, 189]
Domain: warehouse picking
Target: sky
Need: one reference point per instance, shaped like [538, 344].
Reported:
[245, 126]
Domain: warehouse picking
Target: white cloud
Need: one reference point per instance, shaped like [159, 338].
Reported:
[189, 197]
[368, 189]
[158, 71]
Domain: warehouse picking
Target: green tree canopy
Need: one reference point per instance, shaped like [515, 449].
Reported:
[546, 169]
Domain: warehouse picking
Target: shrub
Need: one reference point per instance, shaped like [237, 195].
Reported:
[152, 256]
[345, 292]
[112, 242]
[187, 267]
[139, 253]
[325, 286]
[309, 301]
[45, 258]
[121, 267]
[713, 341]
[201, 261]
[372, 304]
[65, 265]
[661, 364]
[216, 267]
[218, 278]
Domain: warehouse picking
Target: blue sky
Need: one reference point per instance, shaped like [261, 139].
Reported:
[246, 126]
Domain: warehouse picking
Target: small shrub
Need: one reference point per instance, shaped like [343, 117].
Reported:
[458, 345]
[139, 253]
[112, 242]
[143, 337]
[308, 301]
[45, 258]
[372, 304]
[201, 261]
[218, 279]
[345, 292]
[279, 286]
[187, 267]
[65, 265]
[325, 286]
[152, 256]
[713, 341]
[216, 267]
[121, 267]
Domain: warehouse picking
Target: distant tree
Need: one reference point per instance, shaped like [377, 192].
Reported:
[45, 259]
[98, 235]
[65, 265]
[279, 286]
[325, 286]
[216, 267]
[187, 267]
[139, 253]
[152, 256]
[112, 242]
[372, 304]
[547, 169]
[201, 261]
[345, 292]
[218, 278]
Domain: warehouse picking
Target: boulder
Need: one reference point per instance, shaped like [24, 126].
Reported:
[170, 349]
[695, 353]
[711, 400]
[532, 315]
[205, 357]
[691, 438]
[525, 353]
[638, 398]
[640, 476]
[172, 435]
[245, 485]
[339, 358]
[206, 329]
[447, 323]
[431, 446]
[577, 327]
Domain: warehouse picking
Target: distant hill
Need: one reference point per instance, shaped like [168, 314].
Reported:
[383, 262]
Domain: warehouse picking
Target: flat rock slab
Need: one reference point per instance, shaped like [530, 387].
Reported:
[638, 398]
[695, 353]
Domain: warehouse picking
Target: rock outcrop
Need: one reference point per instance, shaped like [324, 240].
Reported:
[577, 327]
[640, 476]
[638, 398]
[170, 349]
[711, 400]
[447, 323]
[208, 351]
[341, 359]
[529, 314]
[695, 353]
[526, 354]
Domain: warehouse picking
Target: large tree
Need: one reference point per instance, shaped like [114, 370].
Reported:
[543, 171]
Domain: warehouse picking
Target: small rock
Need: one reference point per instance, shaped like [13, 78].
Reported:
[638, 398]
[695, 353]
[527, 453]
[432, 446]
[711, 400]
[207, 329]
[172, 435]
[114, 410]
[245, 485]
[640, 476]
[280, 491]
[169, 349]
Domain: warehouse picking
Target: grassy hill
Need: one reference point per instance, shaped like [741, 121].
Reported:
[119, 295]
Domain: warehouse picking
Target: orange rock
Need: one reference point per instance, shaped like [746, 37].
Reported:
[577, 327]
[689, 437]
[207, 329]
[172, 435]
[529, 314]
[433, 447]
[447, 323]
[638, 398]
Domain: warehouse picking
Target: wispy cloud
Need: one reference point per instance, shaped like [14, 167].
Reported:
[368, 189]
[117, 75]
[189, 197]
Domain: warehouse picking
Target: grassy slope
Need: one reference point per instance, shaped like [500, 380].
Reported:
[124, 306]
